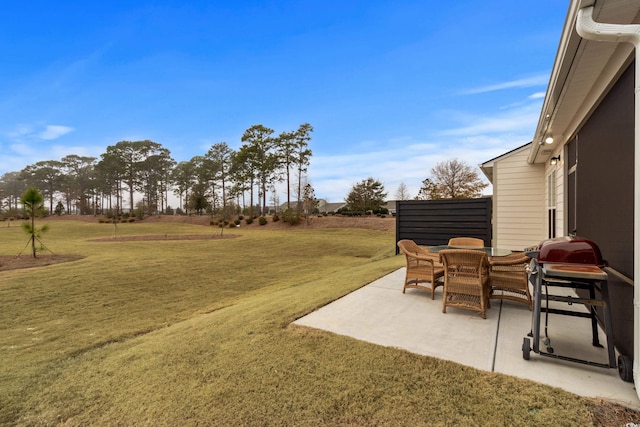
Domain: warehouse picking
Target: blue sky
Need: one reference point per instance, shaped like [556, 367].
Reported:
[391, 87]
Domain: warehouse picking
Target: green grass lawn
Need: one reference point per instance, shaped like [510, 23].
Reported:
[178, 332]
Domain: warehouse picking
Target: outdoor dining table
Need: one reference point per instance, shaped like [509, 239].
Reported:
[490, 251]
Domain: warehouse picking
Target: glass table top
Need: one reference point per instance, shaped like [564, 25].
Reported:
[491, 251]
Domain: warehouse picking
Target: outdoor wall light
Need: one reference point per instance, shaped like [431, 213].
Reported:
[549, 140]
[555, 159]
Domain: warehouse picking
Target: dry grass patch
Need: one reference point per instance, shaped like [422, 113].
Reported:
[242, 365]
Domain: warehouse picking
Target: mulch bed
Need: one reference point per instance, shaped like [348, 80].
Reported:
[12, 262]
[606, 413]
[156, 237]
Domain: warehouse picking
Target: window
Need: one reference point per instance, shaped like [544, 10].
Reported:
[551, 204]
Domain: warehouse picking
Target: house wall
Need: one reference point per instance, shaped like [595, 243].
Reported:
[604, 153]
[605, 170]
[519, 202]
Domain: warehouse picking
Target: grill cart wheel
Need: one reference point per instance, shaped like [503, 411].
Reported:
[625, 368]
[526, 348]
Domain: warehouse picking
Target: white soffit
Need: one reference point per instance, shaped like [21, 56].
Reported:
[583, 73]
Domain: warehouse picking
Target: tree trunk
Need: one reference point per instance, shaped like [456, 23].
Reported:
[251, 198]
[288, 188]
[33, 233]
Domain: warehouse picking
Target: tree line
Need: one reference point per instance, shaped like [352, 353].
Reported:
[215, 181]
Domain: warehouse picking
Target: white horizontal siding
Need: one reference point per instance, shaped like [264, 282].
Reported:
[560, 228]
[517, 206]
[519, 202]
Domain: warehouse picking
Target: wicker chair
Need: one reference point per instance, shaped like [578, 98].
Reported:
[423, 269]
[466, 280]
[466, 241]
[508, 278]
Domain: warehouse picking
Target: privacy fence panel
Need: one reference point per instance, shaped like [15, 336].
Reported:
[434, 222]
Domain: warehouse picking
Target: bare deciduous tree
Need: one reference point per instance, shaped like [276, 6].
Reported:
[402, 193]
[454, 179]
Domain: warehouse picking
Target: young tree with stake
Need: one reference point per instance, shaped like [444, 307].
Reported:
[33, 201]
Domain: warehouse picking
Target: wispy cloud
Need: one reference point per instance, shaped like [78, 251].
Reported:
[34, 132]
[520, 120]
[20, 131]
[537, 80]
[54, 132]
[16, 156]
[473, 138]
[333, 176]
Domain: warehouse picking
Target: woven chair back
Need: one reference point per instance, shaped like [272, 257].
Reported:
[466, 241]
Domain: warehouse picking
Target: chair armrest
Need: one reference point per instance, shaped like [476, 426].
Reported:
[424, 257]
[509, 260]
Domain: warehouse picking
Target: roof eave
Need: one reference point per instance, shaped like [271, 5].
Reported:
[582, 73]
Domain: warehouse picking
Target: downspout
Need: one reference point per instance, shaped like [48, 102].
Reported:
[589, 29]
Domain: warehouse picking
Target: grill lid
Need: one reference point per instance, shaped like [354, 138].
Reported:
[570, 250]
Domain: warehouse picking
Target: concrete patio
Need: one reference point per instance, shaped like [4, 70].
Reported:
[380, 313]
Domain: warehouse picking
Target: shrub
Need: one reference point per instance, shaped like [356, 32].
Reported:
[262, 220]
[212, 222]
[275, 218]
[237, 221]
[291, 216]
[132, 219]
[59, 210]
[248, 220]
